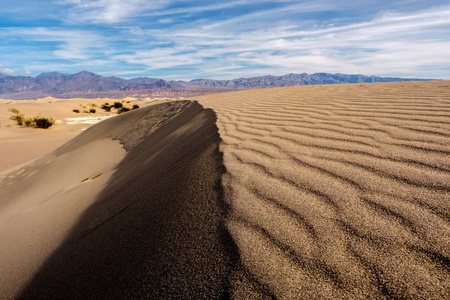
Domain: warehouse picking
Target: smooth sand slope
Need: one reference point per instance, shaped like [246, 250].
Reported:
[339, 191]
[313, 192]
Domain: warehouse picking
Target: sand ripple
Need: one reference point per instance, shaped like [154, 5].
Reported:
[339, 191]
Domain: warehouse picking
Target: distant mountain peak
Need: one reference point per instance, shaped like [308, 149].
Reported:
[88, 84]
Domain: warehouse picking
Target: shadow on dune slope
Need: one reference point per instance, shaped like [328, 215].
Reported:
[156, 230]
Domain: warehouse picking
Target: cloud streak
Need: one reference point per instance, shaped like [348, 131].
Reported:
[185, 39]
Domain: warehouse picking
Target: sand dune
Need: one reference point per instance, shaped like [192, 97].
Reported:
[130, 208]
[339, 191]
[313, 192]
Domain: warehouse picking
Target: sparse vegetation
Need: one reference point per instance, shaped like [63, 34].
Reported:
[123, 109]
[106, 106]
[92, 110]
[14, 110]
[19, 118]
[29, 122]
[76, 111]
[42, 122]
[39, 122]
[118, 104]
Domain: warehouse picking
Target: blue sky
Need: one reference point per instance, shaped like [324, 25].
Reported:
[187, 39]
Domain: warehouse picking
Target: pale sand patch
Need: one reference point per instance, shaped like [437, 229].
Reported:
[43, 200]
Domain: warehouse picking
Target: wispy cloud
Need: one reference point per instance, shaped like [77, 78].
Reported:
[390, 44]
[108, 11]
[7, 71]
[62, 43]
[188, 39]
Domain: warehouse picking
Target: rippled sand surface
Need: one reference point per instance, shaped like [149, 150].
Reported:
[339, 191]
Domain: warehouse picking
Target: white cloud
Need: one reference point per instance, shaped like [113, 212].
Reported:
[391, 44]
[7, 71]
[109, 11]
[2, 66]
[70, 44]
[276, 37]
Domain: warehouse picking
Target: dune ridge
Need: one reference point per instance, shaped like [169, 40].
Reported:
[339, 192]
[148, 225]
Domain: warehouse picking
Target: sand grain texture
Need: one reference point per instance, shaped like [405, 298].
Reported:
[340, 191]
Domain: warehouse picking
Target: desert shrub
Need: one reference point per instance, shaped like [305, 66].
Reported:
[92, 111]
[76, 111]
[42, 122]
[117, 105]
[123, 109]
[93, 105]
[135, 106]
[106, 106]
[14, 110]
[19, 118]
[29, 122]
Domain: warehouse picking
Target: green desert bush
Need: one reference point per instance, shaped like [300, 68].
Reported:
[92, 111]
[76, 111]
[43, 122]
[117, 105]
[14, 110]
[123, 109]
[19, 118]
[106, 106]
[39, 122]
[135, 106]
[29, 122]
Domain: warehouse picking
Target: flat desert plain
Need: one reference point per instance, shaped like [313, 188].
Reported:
[311, 192]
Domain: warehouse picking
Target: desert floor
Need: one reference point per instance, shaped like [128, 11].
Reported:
[312, 192]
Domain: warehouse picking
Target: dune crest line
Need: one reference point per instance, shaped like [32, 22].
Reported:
[339, 191]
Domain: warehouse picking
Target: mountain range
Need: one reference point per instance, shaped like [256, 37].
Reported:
[89, 85]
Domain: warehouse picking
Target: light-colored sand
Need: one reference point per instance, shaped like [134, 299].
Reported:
[340, 191]
[322, 192]
[20, 144]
